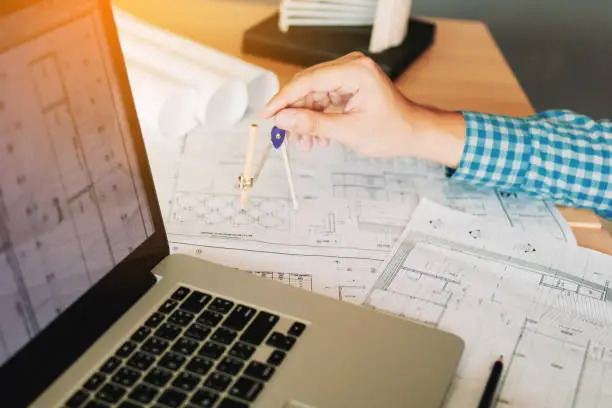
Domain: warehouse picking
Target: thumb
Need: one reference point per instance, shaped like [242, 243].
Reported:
[309, 122]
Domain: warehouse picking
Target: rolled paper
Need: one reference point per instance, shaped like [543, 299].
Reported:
[261, 84]
[162, 103]
[221, 101]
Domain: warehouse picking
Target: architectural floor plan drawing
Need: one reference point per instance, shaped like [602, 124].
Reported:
[341, 196]
[71, 203]
[345, 278]
[348, 205]
[546, 307]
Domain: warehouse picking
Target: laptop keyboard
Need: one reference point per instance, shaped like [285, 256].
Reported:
[196, 350]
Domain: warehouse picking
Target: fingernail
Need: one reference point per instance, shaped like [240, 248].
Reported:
[285, 120]
[304, 145]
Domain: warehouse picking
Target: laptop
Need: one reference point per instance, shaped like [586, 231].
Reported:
[95, 312]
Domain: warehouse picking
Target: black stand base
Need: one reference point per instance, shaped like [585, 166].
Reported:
[306, 46]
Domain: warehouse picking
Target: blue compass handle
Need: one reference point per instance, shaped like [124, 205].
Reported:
[277, 137]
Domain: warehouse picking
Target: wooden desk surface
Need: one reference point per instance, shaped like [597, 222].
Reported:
[464, 69]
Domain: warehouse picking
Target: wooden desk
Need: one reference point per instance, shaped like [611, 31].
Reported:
[464, 69]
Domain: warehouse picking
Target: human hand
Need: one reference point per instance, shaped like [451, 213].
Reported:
[368, 113]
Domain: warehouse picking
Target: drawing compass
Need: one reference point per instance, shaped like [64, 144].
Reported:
[277, 142]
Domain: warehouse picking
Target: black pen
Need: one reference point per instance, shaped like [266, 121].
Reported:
[489, 392]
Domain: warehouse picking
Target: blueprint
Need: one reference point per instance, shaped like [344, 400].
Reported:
[351, 208]
[345, 201]
[72, 204]
[545, 306]
[343, 277]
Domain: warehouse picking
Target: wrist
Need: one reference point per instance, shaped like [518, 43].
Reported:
[440, 135]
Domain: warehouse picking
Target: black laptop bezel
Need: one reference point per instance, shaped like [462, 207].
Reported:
[33, 368]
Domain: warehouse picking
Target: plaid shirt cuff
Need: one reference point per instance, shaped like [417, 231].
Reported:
[557, 155]
[496, 152]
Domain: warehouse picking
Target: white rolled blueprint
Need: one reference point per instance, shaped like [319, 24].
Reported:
[261, 84]
[162, 103]
[220, 101]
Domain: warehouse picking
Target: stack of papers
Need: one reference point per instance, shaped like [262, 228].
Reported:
[500, 270]
[326, 13]
[545, 306]
[388, 18]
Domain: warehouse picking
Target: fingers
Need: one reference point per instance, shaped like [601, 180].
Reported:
[309, 123]
[322, 141]
[306, 143]
[345, 78]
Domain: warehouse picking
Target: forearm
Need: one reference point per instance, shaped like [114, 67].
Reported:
[556, 155]
[441, 135]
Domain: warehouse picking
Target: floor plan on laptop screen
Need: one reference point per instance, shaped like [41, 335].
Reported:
[72, 201]
[546, 308]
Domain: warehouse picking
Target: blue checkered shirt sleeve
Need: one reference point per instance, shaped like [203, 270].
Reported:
[557, 154]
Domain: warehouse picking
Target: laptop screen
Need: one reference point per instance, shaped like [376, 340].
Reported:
[72, 199]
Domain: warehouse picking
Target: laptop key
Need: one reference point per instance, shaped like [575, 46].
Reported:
[239, 317]
[259, 328]
[185, 346]
[155, 319]
[158, 377]
[96, 404]
[259, 370]
[126, 349]
[110, 393]
[126, 377]
[181, 317]
[141, 361]
[204, 398]
[276, 357]
[297, 329]
[77, 399]
[186, 381]
[230, 365]
[281, 341]
[224, 336]
[180, 294]
[172, 398]
[221, 305]
[168, 331]
[172, 361]
[200, 365]
[111, 365]
[232, 403]
[155, 346]
[143, 393]
[128, 404]
[218, 381]
[94, 382]
[212, 350]
[242, 350]
[141, 334]
[246, 389]
[168, 306]
[196, 302]
[210, 318]
[198, 332]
